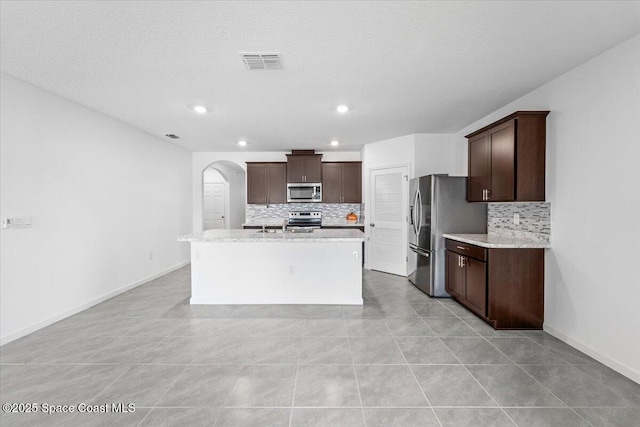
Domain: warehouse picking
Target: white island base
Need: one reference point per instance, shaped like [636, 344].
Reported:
[314, 269]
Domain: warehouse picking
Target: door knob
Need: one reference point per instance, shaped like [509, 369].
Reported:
[372, 225]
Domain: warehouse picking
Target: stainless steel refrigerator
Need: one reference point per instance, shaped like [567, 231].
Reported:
[437, 205]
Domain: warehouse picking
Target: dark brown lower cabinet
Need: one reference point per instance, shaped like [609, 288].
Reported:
[504, 287]
[476, 284]
[456, 282]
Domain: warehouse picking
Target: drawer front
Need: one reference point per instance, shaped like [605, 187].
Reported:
[466, 249]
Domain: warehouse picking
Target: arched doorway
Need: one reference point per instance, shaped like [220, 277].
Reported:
[223, 195]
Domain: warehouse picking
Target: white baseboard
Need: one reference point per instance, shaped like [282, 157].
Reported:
[277, 300]
[50, 321]
[624, 370]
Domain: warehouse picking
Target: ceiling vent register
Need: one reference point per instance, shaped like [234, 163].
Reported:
[262, 61]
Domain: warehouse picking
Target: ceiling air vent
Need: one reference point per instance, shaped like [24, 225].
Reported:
[172, 136]
[261, 61]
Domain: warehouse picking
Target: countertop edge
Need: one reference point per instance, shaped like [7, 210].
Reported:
[279, 224]
[484, 240]
[253, 236]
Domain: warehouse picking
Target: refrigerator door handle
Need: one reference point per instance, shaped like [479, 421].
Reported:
[414, 209]
[419, 203]
[419, 252]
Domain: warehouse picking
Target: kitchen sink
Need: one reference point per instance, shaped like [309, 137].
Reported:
[300, 230]
[289, 230]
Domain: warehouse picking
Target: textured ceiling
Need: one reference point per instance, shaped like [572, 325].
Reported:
[403, 67]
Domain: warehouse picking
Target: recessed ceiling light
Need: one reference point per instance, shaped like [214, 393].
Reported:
[242, 143]
[342, 108]
[334, 143]
[200, 109]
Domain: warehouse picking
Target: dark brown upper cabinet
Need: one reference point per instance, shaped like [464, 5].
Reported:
[304, 168]
[507, 159]
[342, 182]
[266, 183]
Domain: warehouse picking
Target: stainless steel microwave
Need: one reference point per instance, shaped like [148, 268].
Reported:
[307, 192]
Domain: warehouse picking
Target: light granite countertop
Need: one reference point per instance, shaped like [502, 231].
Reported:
[252, 235]
[339, 222]
[496, 241]
[328, 222]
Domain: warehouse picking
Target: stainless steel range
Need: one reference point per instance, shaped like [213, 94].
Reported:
[305, 219]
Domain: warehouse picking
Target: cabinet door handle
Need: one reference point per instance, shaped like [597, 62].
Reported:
[459, 261]
[462, 247]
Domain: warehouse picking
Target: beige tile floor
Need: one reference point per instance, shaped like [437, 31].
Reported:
[403, 359]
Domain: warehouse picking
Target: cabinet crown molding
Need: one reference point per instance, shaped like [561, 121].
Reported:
[507, 118]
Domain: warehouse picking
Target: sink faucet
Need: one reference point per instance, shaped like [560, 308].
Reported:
[284, 224]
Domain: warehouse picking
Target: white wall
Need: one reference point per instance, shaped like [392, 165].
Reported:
[212, 176]
[592, 289]
[424, 154]
[383, 154]
[102, 195]
[439, 154]
[235, 178]
[202, 160]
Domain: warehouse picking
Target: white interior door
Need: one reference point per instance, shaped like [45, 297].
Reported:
[213, 206]
[387, 224]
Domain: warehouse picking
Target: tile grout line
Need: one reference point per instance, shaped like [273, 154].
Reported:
[295, 382]
[538, 382]
[355, 374]
[476, 380]
[163, 395]
[106, 387]
[472, 376]
[428, 327]
[413, 374]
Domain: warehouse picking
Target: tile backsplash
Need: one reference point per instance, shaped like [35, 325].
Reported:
[535, 220]
[277, 212]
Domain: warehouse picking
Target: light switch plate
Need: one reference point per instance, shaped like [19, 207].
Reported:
[17, 222]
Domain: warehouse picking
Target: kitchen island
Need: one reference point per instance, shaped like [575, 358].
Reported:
[252, 267]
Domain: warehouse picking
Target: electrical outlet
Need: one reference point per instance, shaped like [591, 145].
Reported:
[516, 218]
[150, 256]
[292, 270]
